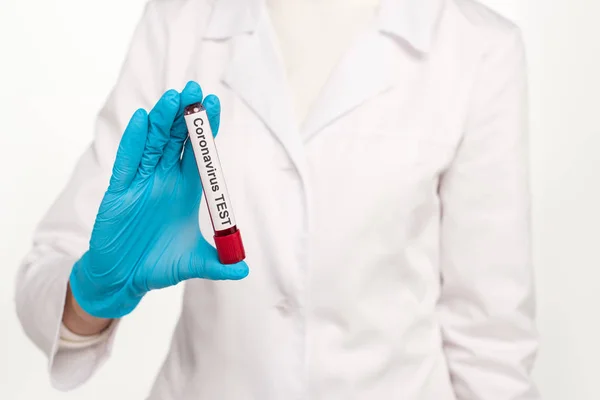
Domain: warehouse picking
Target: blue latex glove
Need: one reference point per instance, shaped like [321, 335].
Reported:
[146, 235]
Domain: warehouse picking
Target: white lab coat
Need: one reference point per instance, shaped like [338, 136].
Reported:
[387, 237]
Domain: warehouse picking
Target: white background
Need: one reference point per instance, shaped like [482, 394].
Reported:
[58, 61]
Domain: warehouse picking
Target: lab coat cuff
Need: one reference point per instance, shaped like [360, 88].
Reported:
[76, 361]
[68, 368]
[71, 340]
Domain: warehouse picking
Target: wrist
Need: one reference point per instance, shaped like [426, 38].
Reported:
[78, 321]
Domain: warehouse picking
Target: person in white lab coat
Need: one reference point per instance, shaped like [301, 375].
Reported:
[376, 157]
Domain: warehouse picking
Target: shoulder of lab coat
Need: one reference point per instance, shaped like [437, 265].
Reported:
[63, 234]
[487, 305]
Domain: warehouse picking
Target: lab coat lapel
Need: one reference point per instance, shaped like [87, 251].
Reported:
[368, 68]
[373, 65]
[256, 74]
[379, 59]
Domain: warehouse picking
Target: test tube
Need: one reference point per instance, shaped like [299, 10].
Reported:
[228, 240]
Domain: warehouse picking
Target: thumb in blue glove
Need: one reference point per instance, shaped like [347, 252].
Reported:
[146, 235]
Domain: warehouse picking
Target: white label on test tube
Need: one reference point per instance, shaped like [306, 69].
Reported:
[209, 167]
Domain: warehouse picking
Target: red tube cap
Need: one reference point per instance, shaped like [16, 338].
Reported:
[230, 248]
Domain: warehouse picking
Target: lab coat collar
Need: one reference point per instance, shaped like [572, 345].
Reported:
[233, 17]
[411, 20]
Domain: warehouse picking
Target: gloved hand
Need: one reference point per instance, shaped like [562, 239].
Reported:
[146, 235]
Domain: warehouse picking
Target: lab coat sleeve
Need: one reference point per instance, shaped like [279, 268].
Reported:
[63, 234]
[486, 307]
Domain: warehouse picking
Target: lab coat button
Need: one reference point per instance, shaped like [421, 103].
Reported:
[284, 307]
